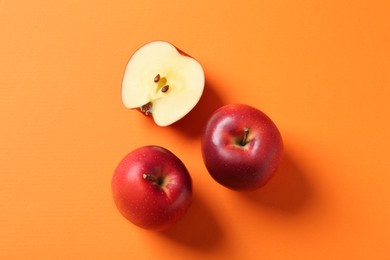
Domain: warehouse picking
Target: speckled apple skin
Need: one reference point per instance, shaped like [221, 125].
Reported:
[145, 203]
[235, 166]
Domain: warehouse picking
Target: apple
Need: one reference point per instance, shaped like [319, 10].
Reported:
[163, 82]
[241, 147]
[152, 188]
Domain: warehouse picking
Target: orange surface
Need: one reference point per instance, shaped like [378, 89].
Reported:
[319, 69]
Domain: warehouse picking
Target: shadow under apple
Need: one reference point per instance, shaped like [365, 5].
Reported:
[195, 121]
[288, 190]
[198, 229]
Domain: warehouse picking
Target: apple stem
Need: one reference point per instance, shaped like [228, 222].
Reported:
[165, 88]
[152, 178]
[244, 139]
[147, 108]
[157, 78]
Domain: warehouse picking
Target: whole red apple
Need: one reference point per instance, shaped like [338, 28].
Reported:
[152, 188]
[241, 147]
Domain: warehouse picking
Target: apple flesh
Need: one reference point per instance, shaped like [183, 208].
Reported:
[162, 81]
[152, 188]
[241, 147]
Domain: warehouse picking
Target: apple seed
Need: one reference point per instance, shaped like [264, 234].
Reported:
[157, 78]
[165, 88]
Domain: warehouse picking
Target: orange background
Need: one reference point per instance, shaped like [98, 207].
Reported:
[319, 69]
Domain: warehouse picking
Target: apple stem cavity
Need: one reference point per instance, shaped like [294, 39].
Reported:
[244, 139]
[152, 178]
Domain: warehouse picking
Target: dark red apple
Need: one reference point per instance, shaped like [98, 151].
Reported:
[152, 188]
[241, 147]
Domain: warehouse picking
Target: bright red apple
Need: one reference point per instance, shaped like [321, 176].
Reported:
[241, 147]
[152, 188]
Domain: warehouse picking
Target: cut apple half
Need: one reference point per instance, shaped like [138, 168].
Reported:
[162, 81]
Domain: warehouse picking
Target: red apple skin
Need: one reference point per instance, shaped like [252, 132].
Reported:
[237, 166]
[144, 201]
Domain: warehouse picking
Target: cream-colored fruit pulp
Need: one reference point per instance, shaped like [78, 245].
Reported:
[183, 74]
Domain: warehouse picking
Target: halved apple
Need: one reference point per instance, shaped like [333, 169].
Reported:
[162, 81]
